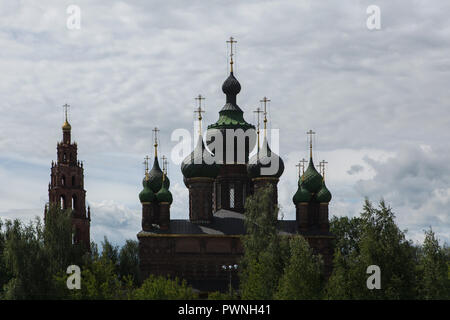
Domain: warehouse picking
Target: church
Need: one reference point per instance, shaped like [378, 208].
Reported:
[206, 248]
[219, 174]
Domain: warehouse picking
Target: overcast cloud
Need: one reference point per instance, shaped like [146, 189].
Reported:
[378, 100]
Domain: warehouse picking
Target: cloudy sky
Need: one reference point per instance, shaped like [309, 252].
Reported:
[378, 99]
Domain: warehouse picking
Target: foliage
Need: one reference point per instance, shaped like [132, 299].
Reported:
[302, 278]
[433, 269]
[378, 242]
[264, 250]
[161, 288]
[34, 253]
[129, 262]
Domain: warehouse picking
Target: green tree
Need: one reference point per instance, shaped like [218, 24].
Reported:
[380, 243]
[302, 278]
[161, 288]
[434, 282]
[33, 254]
[265, 251]
[129, 261]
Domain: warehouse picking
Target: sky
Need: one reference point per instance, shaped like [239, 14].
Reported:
[377, 99]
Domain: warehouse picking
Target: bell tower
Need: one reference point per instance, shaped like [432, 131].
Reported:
[66, 187]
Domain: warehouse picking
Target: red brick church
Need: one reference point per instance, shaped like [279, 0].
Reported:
[197, 248]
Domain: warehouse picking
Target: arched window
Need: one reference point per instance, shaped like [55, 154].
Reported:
[64, 157]
[73, 180]
[74, 202]
[63, 181]
[63, 202]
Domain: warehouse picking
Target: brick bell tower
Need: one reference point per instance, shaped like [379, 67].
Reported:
[66, 187]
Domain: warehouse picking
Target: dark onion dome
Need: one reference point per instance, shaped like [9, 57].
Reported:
[155, 177]
[302, 195]
[264, 159]
[164, 195]
[146, 195]
[231, 116]
[324, 195]
[311, 179]
[194, 164]
[231, 86]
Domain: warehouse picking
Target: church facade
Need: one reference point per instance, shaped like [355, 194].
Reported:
[196, 249]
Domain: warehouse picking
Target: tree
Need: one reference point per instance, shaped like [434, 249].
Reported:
[265, 251]
[302, 278]
[129, 261]
[380, 243]
[161, 288]
[33, 254]
[434, 282]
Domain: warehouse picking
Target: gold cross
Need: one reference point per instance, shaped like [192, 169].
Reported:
[155, 131]
[146, 163]
[322, 168]
[303, 162]
[231, 41]
[66, 106]
[265, 100]
[258, 111]
[164, 161]
[200, 111]
[310, 133]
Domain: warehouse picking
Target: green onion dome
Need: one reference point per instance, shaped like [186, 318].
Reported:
[311, 179]
[302, 195]
[164, 195]
[265, 158]
[146, 195]
[194, 165]
[155, 177]
[324, 195]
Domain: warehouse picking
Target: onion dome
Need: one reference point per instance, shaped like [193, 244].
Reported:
[231, 116]
[164, 195]
[66, 126]
[155, 177]
[194, 164]
[265, 158]
[311, 179]
[302, 195]
[324, 195]
[231, 86]
[146, 195]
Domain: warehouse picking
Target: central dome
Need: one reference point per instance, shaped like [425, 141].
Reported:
[231, 86]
